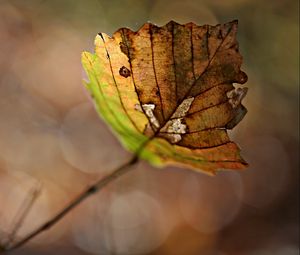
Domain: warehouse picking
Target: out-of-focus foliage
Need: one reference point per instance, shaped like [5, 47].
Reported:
[49, 132]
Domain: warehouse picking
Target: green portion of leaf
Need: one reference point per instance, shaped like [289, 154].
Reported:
[108, 103]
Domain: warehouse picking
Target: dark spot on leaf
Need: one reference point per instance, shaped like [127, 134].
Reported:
[242, 77]
[124, 72]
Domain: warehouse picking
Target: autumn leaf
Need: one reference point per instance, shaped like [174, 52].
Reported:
[168, 92]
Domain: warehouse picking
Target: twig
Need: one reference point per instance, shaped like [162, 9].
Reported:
[21, 216]
[86, 193]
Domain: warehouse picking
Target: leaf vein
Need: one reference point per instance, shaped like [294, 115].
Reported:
[116, 85]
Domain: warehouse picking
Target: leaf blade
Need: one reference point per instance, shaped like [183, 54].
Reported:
[172, 101]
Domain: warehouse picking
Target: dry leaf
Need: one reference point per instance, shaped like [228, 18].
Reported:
[167, 92]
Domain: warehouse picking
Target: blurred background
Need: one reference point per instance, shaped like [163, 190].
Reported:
[51, 136]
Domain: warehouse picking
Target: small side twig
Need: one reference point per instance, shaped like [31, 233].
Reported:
[21, 216]
[86, 193]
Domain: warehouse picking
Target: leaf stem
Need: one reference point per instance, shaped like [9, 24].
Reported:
[99, 185]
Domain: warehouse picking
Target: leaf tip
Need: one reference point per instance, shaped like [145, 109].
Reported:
[234, 24]
[244, 163]
[86, 59]
[84, 54]
[172, 23]
[100, 34]
[242, 77]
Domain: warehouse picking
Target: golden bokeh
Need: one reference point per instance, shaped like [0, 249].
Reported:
[50, 135]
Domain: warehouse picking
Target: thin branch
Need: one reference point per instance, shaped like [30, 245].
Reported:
[21, 216]
[100, 184]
